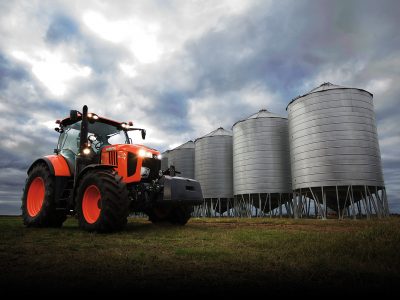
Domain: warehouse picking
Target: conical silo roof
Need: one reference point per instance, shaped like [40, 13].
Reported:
[262, 113]
[187, 145]
[217, 132]
[325, 87]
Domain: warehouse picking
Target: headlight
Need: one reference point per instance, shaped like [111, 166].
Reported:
[86, 151]
[92, 116]
[159, 156]
[144, 153]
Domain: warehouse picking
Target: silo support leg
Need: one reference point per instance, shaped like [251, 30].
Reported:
[269, 201]
[378, 203]
[323, 194]
[368, 204]
[383, 200]
[337, 202]
[264, 204]
[371, 200]
[288, 210]
[294, 206]
[320, 212]
[352, 202]
[359, 209]
[299, 205]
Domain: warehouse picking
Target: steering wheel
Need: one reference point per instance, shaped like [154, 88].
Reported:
[96, 143]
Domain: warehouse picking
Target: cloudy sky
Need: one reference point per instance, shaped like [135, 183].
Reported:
[183, 68]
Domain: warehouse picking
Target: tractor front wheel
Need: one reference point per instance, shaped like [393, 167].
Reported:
[178, 215]
[159, 214]
[38, 200]
[102, 201]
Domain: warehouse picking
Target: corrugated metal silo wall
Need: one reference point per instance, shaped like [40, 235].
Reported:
[183, 161]
[261, 161]
[213, 166]
[333, 140]
[164, 160]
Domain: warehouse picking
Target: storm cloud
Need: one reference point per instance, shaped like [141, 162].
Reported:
[180, 69]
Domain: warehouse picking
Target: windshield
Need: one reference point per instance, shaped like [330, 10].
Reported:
[99, 135]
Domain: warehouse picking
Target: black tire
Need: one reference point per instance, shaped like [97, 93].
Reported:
[159, 214]
[180, 215]
[113, 201]
[44, 215]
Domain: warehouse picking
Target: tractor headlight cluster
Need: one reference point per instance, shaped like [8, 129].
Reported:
[159, 156]
[92, 116]
[86, 151]
[144, 153]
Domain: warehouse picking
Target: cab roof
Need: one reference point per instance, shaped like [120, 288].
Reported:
[67, 121]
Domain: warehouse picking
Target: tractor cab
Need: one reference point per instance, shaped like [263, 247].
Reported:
[100, 132]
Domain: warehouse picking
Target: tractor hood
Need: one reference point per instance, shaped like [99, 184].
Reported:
[133, 162]
[139, 150]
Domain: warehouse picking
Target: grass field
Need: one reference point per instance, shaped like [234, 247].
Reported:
[207, 255]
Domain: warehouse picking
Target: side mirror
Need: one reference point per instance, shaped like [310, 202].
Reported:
[73, 114]
[143, 134]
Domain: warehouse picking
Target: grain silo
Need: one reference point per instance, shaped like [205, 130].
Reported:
[164, 160]
[213, 169]
[261, 161]
[335, 157]
[182, 158]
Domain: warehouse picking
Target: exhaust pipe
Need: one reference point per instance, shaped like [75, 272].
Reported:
[84, 129]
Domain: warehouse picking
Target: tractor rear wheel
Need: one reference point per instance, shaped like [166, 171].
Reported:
[102, 201]
[38, 199]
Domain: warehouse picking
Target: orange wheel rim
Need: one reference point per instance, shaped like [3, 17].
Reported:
[35, 197]
[90, 204]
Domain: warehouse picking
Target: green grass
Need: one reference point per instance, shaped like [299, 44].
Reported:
[278, 255]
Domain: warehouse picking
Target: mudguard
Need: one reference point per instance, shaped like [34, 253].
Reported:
[56, 164]
[179, 190]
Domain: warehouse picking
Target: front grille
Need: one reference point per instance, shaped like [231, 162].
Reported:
[112, 158]
[154, 165]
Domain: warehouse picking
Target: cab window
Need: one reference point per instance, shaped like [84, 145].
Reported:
[69, 139]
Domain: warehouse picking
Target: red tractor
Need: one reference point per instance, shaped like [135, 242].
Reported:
[98, 174]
